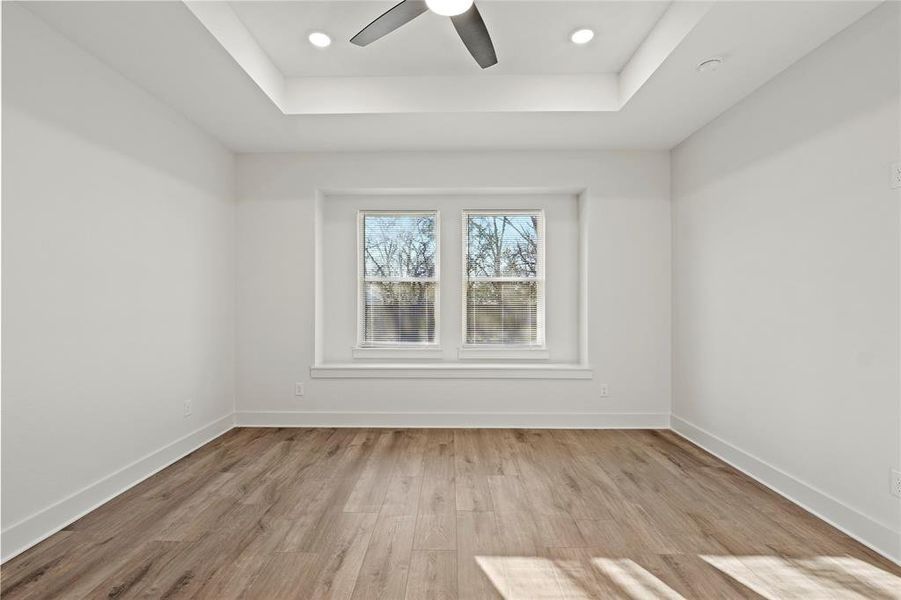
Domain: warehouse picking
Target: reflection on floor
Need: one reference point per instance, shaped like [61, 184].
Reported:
[404, 513]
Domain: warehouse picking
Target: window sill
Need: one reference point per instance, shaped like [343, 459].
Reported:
[503, 353]
[451, 371]
[397, 353]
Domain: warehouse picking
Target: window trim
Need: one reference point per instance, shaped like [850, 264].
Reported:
[399, 349]
[536, 351]
[420, 352]
[502, 351]
[427, 370]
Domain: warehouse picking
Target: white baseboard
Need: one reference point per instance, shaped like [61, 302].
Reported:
[877, 536]
[29, 531]
[457, 420]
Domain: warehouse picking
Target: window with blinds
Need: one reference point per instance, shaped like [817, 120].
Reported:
[398, 268]
[503, 287]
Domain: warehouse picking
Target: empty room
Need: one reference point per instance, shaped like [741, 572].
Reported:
[443, 299]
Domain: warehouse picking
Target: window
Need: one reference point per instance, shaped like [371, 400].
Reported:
[409, 309]
[398, 269]
[503, 278]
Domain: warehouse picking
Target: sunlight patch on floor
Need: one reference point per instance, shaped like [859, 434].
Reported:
[517, 577]
[811, 577]
[636, 581]
[536, 578]
[578, 574]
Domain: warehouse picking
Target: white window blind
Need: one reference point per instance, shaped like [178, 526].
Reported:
[503, 287]
[398, 270]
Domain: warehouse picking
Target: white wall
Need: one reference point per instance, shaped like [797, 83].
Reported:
[629, 291]
[786, 281]
[118, 282]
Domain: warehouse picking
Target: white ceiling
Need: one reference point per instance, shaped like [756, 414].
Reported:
[530, 37]
[163, 47]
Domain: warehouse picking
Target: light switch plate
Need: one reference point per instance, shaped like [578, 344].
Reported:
[896, 175]
[298, 389]
[896, 483]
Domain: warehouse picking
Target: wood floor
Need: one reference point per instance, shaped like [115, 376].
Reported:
[443, 514]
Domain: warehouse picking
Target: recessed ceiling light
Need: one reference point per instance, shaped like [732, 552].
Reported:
[581, 36]
[711, 64]
[319, 39]
[448, 8]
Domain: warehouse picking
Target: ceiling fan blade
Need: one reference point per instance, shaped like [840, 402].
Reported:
[401, 14]
[474, 34]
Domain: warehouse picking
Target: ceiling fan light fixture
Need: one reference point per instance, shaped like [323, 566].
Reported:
[319, 39]
[581, 36]
[464, 16]
[448, 8]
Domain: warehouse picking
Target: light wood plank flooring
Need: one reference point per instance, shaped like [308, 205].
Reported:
[444, 514]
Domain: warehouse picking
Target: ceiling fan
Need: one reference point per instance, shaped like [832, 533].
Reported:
[463, 14]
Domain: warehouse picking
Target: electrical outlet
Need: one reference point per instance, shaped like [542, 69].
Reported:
[896, 175]
[604, 391]
[188, 407]
[298, 389]
[896, 483]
